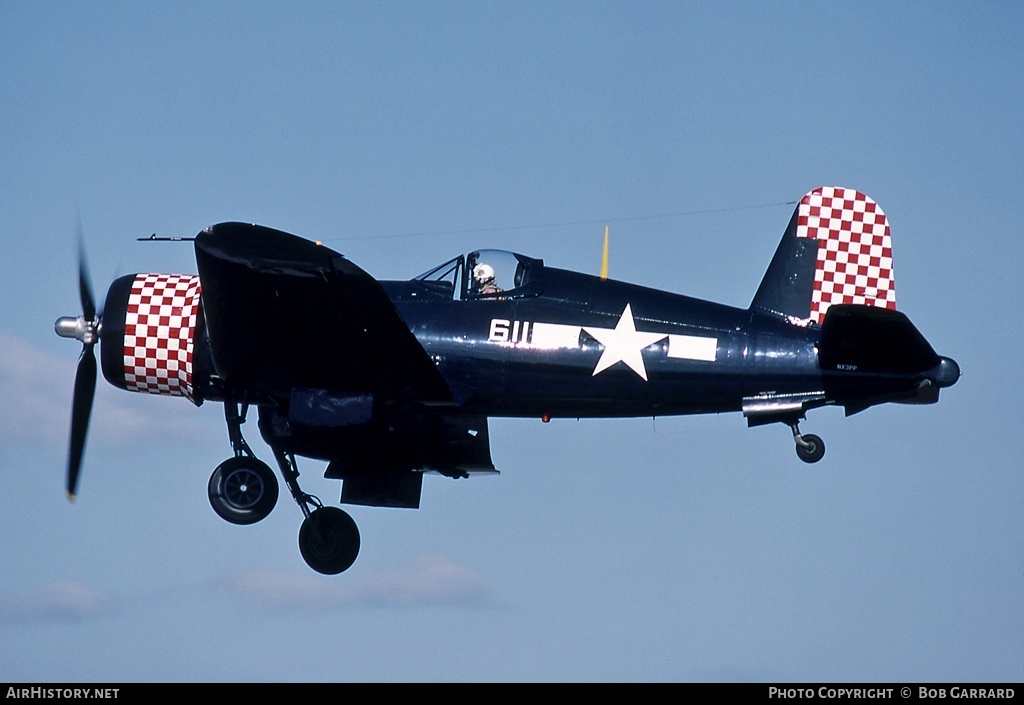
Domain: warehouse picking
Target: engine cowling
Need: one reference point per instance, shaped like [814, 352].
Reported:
[154, 338]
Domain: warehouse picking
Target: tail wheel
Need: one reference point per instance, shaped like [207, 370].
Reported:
[329, 540]
[810, 448]
[243, 490]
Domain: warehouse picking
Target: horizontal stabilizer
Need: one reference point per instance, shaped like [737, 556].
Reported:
[870, 339]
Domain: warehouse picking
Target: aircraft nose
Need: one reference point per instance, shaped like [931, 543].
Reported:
[946, 373]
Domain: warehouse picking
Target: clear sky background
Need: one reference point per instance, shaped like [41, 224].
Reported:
[403, 133]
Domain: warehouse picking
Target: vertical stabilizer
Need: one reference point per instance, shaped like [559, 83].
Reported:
[836, 250]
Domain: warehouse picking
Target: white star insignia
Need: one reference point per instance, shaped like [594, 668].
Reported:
[623, 344]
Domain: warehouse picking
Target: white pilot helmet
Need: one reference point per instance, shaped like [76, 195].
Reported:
[483, 272]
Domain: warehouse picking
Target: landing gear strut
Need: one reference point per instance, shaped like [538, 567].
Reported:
[809, 448]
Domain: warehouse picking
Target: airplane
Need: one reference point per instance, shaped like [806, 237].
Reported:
[388, 380]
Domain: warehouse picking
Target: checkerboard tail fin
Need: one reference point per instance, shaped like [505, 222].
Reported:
[836, 250]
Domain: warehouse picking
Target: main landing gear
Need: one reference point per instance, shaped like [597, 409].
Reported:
[328, 537]
[329, 540]
[243, 490]
[809, 448]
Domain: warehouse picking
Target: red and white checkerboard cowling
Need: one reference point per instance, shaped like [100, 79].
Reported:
[854, 250]
[159, 332]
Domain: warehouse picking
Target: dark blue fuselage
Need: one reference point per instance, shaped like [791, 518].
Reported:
[487, 349]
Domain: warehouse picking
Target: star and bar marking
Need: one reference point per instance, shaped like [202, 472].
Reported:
[623, 343]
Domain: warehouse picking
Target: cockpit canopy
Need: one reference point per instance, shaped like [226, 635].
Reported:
[487, 274]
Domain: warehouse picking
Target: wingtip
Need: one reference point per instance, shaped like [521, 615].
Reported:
[71, 497]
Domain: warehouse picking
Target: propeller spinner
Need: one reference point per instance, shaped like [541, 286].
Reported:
[86, 329]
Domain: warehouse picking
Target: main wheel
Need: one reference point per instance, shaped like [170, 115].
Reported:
[813, 449]
[329, 540]
[243, 490]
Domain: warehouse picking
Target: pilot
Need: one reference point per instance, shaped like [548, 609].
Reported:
[483, 278]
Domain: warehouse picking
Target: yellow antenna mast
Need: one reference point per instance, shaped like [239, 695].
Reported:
[604, 255]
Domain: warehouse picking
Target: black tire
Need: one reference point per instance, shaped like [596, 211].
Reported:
[813, 451]
[329, 540]
[243, 490]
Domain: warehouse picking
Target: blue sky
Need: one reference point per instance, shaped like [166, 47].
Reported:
[403, 133]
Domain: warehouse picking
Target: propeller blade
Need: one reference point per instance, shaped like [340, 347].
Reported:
[86, 328]
[85, 287]
[81, 409]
